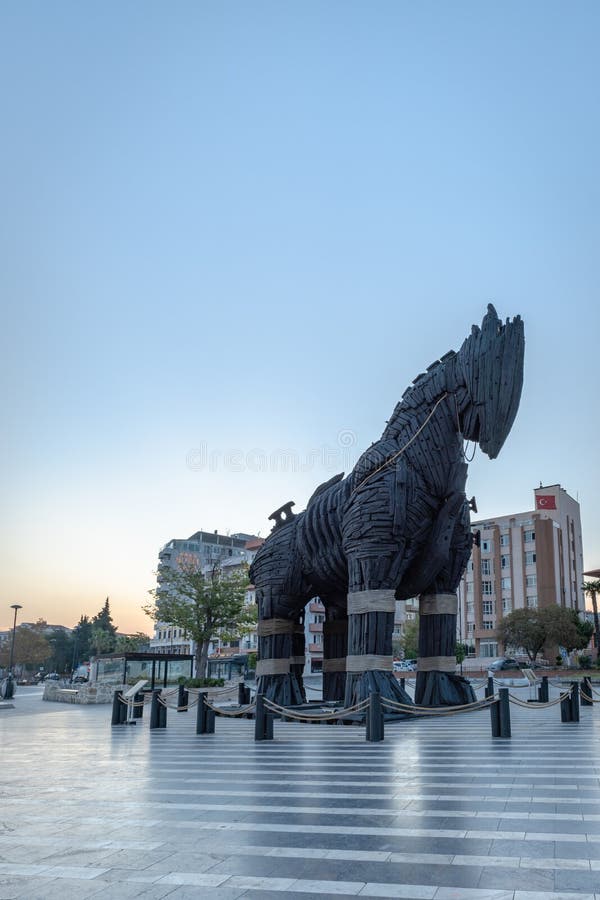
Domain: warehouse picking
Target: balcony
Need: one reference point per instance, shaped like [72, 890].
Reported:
[316, 606]
[316, 628]
[315, 649]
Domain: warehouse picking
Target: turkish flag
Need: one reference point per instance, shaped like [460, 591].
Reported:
[545, 501]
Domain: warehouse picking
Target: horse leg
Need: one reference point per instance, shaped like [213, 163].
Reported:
[335, 648]
[437, 682]
[371, 608]
[280, 650]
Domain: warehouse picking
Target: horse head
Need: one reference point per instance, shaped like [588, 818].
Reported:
[490, 367]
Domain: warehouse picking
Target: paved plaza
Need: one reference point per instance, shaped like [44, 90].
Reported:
[439, 811]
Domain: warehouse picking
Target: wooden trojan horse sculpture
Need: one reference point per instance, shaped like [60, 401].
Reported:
[396, 527]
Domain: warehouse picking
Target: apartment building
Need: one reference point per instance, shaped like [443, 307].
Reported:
[207, 549]
[529, 559]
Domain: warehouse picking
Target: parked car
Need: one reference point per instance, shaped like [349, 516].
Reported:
[502, 664]
[52, 676]
[405, 665]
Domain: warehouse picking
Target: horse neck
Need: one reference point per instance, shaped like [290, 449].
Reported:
[424, 419]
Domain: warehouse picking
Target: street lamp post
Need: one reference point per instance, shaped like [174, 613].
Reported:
[10, 684]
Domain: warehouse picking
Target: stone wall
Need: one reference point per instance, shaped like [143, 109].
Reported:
[81, 693]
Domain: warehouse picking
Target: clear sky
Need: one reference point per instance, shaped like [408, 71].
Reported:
[232, 227]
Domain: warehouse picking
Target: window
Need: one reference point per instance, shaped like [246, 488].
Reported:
[504, 540]
[470, 609]
[488, 607]
[487, 546]
[506, 605]
[488, 626]
[528, 536]
[505, 584]
[505, 561]
[531, 580]
[469, 587]
[470, 626]
[488, 649]
[486, 567]
[532, 601]
[486, 587]
[530, 557]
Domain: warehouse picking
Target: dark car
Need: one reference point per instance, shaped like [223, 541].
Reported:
[500, 665]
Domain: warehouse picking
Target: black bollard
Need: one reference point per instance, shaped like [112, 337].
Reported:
[263, 723]
[243, 694]
[156, 717]
[586, 692]
[495, 716]
[205, 718]
[138, 709]
[575, 701]
[116, 709]
[182, 699]
[403, 683]
[504, 713]
[374, 730]
[162, 715]
[489, 691]
[543, 694]
[565, 710]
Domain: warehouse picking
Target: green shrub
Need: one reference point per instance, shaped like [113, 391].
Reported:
[559, 660]
[585, 661]
[204, 682]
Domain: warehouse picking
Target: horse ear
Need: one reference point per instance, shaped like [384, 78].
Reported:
[491, 322]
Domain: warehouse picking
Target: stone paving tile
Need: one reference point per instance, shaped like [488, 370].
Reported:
[437, 812]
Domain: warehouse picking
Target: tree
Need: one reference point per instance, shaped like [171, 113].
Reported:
[131, 643]
[592, 588]
[103, 620]
[102, 641]
[31, 649]
[203, 606]
[61, 644]
[409, 641]
[82, 637]
[523, 628]
[531, 629]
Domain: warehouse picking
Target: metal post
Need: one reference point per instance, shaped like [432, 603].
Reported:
[504, 713]
[263, 723]
[16, 607]
[575, 701]
[543, 695]
[586, 688]
[116, 708]
[374, 730]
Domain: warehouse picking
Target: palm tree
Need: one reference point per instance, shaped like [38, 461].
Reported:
[592, 588]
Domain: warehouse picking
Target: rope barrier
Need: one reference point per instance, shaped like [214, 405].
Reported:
[128, 703]
[535, 704]
[319, 717]
[433, 711]
[242, 711]
[177, 708]
[586, 697]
